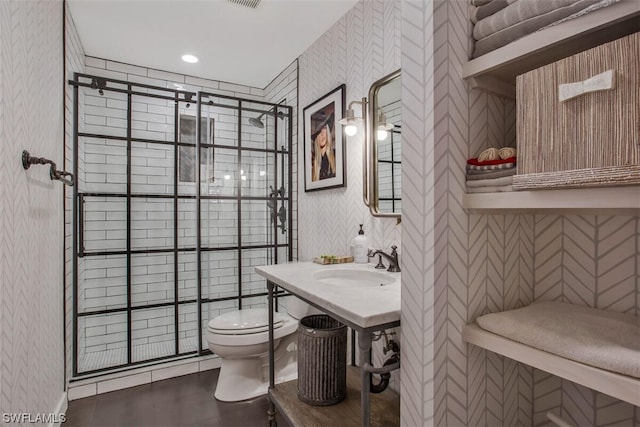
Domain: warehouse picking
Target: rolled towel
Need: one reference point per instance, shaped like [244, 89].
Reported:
[506, 152]
[488, 154]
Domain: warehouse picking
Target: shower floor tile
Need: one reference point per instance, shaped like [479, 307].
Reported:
[118, 356]
[182, 401]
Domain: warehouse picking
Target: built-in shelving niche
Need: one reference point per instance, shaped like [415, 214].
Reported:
[495, 73]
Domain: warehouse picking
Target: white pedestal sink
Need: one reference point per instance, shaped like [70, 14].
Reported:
[352, 292]
[352, 277]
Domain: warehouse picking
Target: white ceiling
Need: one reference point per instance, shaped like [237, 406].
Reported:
[234, 43]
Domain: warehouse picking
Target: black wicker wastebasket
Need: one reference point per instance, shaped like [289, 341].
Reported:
[322, 360]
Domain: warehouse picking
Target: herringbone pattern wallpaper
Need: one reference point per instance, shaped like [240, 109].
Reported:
[418, 316]
[31, 215]
[360, 48]
[458, 266]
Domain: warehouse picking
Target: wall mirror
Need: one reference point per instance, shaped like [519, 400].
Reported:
[385, 136]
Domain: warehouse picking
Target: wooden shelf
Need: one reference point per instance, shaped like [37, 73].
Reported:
[385, 406]
[622, 199]
[496, 71]
[619, 386]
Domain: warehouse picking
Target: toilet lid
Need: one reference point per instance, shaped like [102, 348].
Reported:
[242, 322]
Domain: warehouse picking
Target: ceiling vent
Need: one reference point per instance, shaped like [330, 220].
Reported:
[246, 3]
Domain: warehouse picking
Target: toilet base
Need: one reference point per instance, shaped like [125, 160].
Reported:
[246, 378]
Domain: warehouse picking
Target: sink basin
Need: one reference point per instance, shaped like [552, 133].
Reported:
[353, 277]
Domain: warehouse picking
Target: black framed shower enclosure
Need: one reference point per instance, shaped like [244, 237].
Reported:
[180, 194]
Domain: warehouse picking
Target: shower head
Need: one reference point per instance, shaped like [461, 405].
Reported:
[255, 121]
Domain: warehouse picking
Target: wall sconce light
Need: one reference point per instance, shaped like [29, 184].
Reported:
[383, 127]
[350, 122]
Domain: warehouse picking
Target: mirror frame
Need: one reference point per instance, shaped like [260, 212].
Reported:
[372, 148]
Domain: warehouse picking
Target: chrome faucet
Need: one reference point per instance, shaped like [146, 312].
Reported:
[394, 262]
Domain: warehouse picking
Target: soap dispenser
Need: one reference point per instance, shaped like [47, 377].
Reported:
[360, 247]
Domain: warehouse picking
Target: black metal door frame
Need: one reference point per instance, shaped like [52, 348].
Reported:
[101, 84]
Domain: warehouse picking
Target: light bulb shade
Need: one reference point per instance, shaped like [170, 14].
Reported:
[382, 134]
[350, 123]
[382, 123]
[351, 129]
[349, 117]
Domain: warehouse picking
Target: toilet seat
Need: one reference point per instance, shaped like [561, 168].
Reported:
[239, 338]
[244, 322]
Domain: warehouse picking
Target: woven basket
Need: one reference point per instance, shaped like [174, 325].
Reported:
[589, 140]
[322, 360]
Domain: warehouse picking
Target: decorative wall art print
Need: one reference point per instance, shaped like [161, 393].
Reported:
[323, 142]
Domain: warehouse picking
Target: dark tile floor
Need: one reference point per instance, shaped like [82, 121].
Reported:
[182, 401]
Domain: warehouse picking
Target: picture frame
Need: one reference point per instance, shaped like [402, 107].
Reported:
[187, 154]
[323, 134]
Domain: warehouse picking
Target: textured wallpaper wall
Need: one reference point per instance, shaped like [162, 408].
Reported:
[459, 265]
[363, 46]
[31, 212]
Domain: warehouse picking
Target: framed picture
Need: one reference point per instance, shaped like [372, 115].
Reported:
[187, 155]
[323, 141]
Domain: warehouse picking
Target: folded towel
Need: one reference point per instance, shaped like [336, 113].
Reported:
[520, 11]
[479, 2]
[476, 13]
[520, 27]
[477, 162]
[490, 182]
[496, 189]
[473, 174]
[488, 167]
[599, 338]
[589, 9]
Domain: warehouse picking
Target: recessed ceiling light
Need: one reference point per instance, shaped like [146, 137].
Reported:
[190, 59]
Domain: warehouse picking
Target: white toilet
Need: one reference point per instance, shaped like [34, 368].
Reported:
[241, 339]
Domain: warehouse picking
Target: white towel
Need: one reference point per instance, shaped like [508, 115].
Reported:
[477, 175]
[491, 182]
[604, 339]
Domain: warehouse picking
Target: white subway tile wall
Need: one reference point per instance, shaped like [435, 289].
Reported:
[226, 223]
